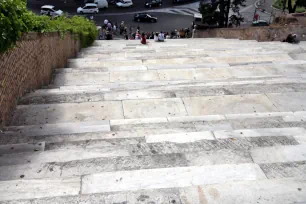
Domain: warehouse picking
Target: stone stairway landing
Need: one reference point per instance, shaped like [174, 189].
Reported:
[188, 121]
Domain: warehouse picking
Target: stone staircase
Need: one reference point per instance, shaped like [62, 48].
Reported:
[185, 121]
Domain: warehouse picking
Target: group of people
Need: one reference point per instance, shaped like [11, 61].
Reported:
[109, 29]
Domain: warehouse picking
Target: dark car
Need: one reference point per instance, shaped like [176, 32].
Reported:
[260, 23]
[153, 3]
[144, 17]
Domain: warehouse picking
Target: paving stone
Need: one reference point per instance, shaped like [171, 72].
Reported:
[29, 189]
[67, 112]
[172, 177]
[284, 169]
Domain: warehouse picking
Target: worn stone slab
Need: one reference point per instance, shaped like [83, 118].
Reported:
[293, 101]
[67, 113]
[210, 145]
[180, 137]
[138, 121]
[134, 76]
[23, 147]
[209, 105]
[265, 191]
[223, 156]
[59, 128]
[13, 139]
[177, 74]
[153, 108]
[127, 68]
[284, 169]
[62, 155]
[176, 61]
[88, 144]
[169, 66]
[139, 94]
[279, 154]
[29, 189]
[196, 118]
[259, 123]
[213, 125]
[169, 177]
[296, 116]
[263, 132]
[257, 115]
[93, 166]
[78, 78]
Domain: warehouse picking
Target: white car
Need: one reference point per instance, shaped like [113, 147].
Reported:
[125, 3]
[50, 11]
[88, 8]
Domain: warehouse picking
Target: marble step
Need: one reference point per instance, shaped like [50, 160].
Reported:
[138, 128]
[81, 153]
[279, 154]
[175, 54]
[41, 188]
[181, 60]
[176, 91]
[127, 163]
[266, 191]
[22, 147]
[166, 84]
[172, 178]
[58, 128]
[196, 74]
[152, 108]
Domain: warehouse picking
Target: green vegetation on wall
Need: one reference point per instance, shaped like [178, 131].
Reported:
[15, 20]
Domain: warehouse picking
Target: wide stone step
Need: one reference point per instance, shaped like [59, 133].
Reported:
[96, 150]
[29, 189]
[175, 54]
[204, 75]
[166, 84]
[274, 191]
[58, 128]
[151, 108]
[172, 177]
[170, 91]
[181, 60]
[127, 163]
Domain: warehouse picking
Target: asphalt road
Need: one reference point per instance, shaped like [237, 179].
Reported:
[71, 6]
[166, 22]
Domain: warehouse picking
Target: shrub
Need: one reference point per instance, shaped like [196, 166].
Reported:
[15, 19]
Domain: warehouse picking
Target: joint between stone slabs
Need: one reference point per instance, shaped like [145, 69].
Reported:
[81, 184]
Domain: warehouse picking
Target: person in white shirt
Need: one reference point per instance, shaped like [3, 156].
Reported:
[156, 37]
[161, 37]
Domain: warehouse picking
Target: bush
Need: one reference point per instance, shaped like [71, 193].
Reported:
[15, 20]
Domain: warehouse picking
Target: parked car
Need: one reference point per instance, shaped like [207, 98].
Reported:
[50, 11]
[124, 3]
[88, 8]
[144, 17]
[260, 23]
[100, 3]
[153, 3]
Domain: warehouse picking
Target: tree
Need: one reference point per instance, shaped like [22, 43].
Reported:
[218, 11]
[291, 7]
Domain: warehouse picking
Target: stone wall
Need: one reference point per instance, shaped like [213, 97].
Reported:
[30, 66]
[272, 33]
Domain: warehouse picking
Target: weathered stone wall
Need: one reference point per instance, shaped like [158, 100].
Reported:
[272, 33]
[30, 66]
